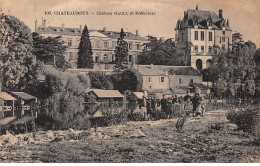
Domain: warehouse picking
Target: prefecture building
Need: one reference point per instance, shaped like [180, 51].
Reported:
[201, 32]
[103, 42]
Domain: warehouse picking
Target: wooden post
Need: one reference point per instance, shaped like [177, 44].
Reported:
[13, 107]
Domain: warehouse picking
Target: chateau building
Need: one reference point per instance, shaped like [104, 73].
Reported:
[103, 42]
[201, 32]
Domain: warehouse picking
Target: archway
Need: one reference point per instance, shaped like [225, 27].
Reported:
[208, 63]
[199, 64]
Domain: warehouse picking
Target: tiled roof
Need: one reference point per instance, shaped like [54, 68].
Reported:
[76, 32]
[6, 96]
[24, 95]
[202, 17]
[107, 93]
[158, 70]
[199, 85]
[150, 71]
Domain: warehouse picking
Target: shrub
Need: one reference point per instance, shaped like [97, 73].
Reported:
[247, 120]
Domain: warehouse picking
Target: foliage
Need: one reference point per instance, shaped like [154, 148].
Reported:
[257, 61]
[124, 81]
[19, 66]
[63, 97]
[85, 59]
[50, 50]
[233, 73]
[159, 52]
[246, 120]
[121, 50]
[99, 80]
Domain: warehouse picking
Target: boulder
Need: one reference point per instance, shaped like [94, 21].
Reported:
[50, 135]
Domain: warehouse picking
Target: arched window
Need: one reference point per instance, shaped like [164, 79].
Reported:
[199, 64]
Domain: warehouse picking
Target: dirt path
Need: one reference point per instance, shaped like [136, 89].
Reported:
[146, 141]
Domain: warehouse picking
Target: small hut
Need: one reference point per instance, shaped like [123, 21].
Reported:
[7, 109]
[25, 104]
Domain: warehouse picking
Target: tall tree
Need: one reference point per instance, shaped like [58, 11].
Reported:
[50, 50]
[85, 59]
[19, 65]
[100, 80]
[159, 52]
[121, 50]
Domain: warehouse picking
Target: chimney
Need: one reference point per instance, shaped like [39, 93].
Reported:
[80, 28]
[105, 29]
[62, 27]
[197, 7]
[220, 13]
[44, 24]
[137, 33]
[36, 26]
[151, 66]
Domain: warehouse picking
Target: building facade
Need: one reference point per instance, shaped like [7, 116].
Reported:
[202, 32]
[168, 79]
[103, 42]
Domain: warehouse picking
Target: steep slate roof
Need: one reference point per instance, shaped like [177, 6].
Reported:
[71, 31]
[107, 93]
[202, 17]
[24, 95]
[6, 96]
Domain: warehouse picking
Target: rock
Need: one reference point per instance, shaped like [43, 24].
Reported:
[106, 137]
[168, 150]
[137, 133]
[152, 146]
[30, 140]
[100, 135]
[50, 135]
[58, 139]
[2, 142]
[71, 130]
[12, 140]
[230, 126]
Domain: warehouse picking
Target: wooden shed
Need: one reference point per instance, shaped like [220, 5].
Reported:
[7, 108]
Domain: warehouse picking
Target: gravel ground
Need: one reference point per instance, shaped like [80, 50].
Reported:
[206, 139]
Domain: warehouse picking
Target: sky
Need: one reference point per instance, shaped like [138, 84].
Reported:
[243, 15]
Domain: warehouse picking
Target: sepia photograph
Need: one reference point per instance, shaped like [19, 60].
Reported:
[130, 81]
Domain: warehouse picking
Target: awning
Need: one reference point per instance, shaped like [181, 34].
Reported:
[23, 95]
[6, 96]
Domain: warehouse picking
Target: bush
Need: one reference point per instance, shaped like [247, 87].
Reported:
[247, 120]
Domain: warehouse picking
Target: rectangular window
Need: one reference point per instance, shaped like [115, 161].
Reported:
[71, 55]
[202, 48]
[69, 42]
[196, 48]
[180, 80]
[202, 36]
[105, 58]
[149, 79]
[219, 39]
[182, 37]
[130, 46]
[210, 36]
[161, 79]
[223, 39]
[114, 44]
[97, 44]
[105, 44]
[223, 32]
[210, 49]
[138, 47]
[196, 35]
[223, 46]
